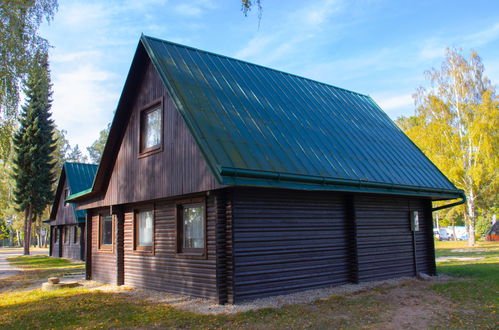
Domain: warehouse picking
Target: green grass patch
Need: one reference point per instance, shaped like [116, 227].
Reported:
[477, 294]
[81, 308]
[38, 267]
[43, 262]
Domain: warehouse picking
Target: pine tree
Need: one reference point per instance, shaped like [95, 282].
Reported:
[34, 146]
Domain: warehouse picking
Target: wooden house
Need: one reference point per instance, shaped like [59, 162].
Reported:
[231, 181]
[493, 232]
[67, 225]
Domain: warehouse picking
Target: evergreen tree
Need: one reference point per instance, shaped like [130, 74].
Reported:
[34, 146]
[76, 155]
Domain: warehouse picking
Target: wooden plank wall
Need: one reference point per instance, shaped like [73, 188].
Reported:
[103, 262]
[165, 270]
[55, 244]
[65, 213]
[70, 249]
[385, 246]
[178, 169]
[287, 241]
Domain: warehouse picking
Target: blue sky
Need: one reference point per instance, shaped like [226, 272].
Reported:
[380, 48]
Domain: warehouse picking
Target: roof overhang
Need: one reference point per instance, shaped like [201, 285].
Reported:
[243, 177]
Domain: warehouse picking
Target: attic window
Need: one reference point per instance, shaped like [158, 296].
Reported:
[151, 127]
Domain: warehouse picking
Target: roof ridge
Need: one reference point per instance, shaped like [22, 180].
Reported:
[79, 163]
[254, 64]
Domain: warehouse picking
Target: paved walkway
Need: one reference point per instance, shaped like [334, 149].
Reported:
[6, 269]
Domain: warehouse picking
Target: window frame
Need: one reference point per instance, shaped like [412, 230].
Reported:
[76, 240]
[66, 239]
[155, 105]
[144, 249]
[199, 253]
[106, 247]
[56, 235]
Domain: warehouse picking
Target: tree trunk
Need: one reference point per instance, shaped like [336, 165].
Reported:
[471, 218]
[27, 230]
[40, 242]
[18, 236]
[454, 237]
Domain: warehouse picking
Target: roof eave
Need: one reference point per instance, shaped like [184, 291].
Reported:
[232, 176]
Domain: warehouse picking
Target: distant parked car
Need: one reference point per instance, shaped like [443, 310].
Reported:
[441, 234]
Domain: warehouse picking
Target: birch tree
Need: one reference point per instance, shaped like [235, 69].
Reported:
[456, 125]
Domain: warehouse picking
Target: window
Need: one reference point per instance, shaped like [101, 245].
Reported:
[151, 127]
[66, 195]
[77, 234]
[144, 230]
[56, 236]
[106, 232]
[191, 228]
[66, 234]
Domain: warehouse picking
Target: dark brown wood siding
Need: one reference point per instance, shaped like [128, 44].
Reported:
[70, 248]
[287, 241]
[178, 169]
[385, 245]
[103, 262]
[166, 270]
[65, 213]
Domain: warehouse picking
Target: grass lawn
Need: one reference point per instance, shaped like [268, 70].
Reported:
[38, 267]
[477, 295]
[472, 300]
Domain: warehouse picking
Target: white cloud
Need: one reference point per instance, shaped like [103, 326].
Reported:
[483, 37]
[75, 56]
[318, 13]
[82, 98]
[290, 33]
[393, 102]
[186, 9]
[255, 46]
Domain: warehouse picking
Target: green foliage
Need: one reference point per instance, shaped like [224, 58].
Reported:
[75, 155]
[34, 146]
[97, 148]
[456, 126]
[19, 43]
[246, 6]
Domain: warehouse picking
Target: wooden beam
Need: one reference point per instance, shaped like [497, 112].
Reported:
[88, 257]
[351, 226]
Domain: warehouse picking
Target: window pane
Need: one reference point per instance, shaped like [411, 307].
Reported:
[107, 230]
[145, 233]
[152, 127]
[77, 234]
[193, 219]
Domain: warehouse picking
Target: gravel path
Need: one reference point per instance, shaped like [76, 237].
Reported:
[6, 269]
[205, 306]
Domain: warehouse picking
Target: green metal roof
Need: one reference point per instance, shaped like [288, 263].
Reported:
[263, 127]
[80, 177]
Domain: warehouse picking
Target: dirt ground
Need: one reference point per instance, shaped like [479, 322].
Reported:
[413, 306]
[409, 302]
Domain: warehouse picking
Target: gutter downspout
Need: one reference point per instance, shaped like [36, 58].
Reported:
[462, 201]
